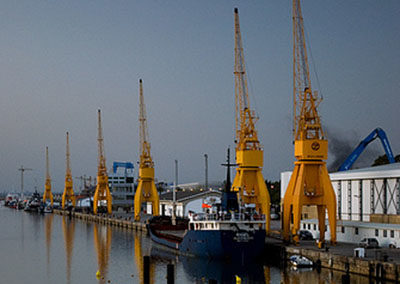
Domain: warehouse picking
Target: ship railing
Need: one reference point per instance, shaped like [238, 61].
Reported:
[228, 217]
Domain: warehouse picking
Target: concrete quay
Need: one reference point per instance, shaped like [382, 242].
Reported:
[116, 220]
[380, 264]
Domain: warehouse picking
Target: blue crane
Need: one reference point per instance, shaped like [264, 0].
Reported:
[377, 133]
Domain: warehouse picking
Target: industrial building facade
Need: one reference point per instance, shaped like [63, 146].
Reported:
[364, 194]
[368, 205]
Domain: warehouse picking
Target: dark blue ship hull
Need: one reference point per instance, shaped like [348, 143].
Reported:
[217, 244]
[223, 244]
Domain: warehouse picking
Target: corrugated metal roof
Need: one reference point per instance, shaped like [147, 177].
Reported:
[384, 171]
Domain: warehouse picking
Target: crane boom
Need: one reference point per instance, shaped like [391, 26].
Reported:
[306, 119]
[145, 156]
[246, 134]
[376, 133]
[310, 183]
[101, 169]
[146, 189]
[248, 183]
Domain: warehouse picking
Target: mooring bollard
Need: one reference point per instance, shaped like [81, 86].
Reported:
[170, 274]
[146, 269]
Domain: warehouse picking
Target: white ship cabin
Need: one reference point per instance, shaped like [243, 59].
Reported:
[226, 221]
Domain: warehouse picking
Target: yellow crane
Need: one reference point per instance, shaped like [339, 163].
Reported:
[310, 183]
[102, 192]
[249, 182]
[47, 186]
[146, 189]
[68, 195]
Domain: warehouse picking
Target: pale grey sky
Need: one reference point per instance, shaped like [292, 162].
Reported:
[62, 60]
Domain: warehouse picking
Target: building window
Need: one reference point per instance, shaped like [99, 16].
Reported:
[376, 233]
[356, 230]
[391, 233]
[343, 229]
[309, 226]
[349, 199]
[384, 233]
[315, 227]
[304, 226]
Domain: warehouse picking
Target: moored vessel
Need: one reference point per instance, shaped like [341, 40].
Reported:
[230, 230]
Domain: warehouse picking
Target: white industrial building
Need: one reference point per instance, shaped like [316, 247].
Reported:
[368, 204]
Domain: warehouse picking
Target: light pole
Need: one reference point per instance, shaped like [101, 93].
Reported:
[174, 194]
[206, 171]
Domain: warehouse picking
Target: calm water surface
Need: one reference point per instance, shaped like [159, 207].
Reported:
[54, 249]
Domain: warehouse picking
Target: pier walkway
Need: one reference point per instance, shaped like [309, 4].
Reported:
[379, 263]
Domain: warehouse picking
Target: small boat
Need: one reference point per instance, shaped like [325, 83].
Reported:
[48, 209]
[11, 199]
[300, 261]
[34, 203]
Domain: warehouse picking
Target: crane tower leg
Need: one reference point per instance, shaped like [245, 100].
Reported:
[48, 195]
[68, 195]
[309, 185]
[102, 193]
[146, 192]
[250, 185]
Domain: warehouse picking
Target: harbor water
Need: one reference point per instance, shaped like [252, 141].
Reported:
[56, 249]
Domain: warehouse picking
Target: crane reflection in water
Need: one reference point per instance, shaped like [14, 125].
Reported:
[102, 242]
[48, 227]
[68, 227]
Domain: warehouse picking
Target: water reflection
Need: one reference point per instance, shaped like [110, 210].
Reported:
[75, 252]
[68, 227]
[102, 243]
[48, 227]
[139, 262]
[223, 271]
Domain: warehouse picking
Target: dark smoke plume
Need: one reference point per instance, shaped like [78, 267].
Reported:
[342, 144]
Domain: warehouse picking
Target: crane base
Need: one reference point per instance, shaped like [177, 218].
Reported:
[309, 185]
